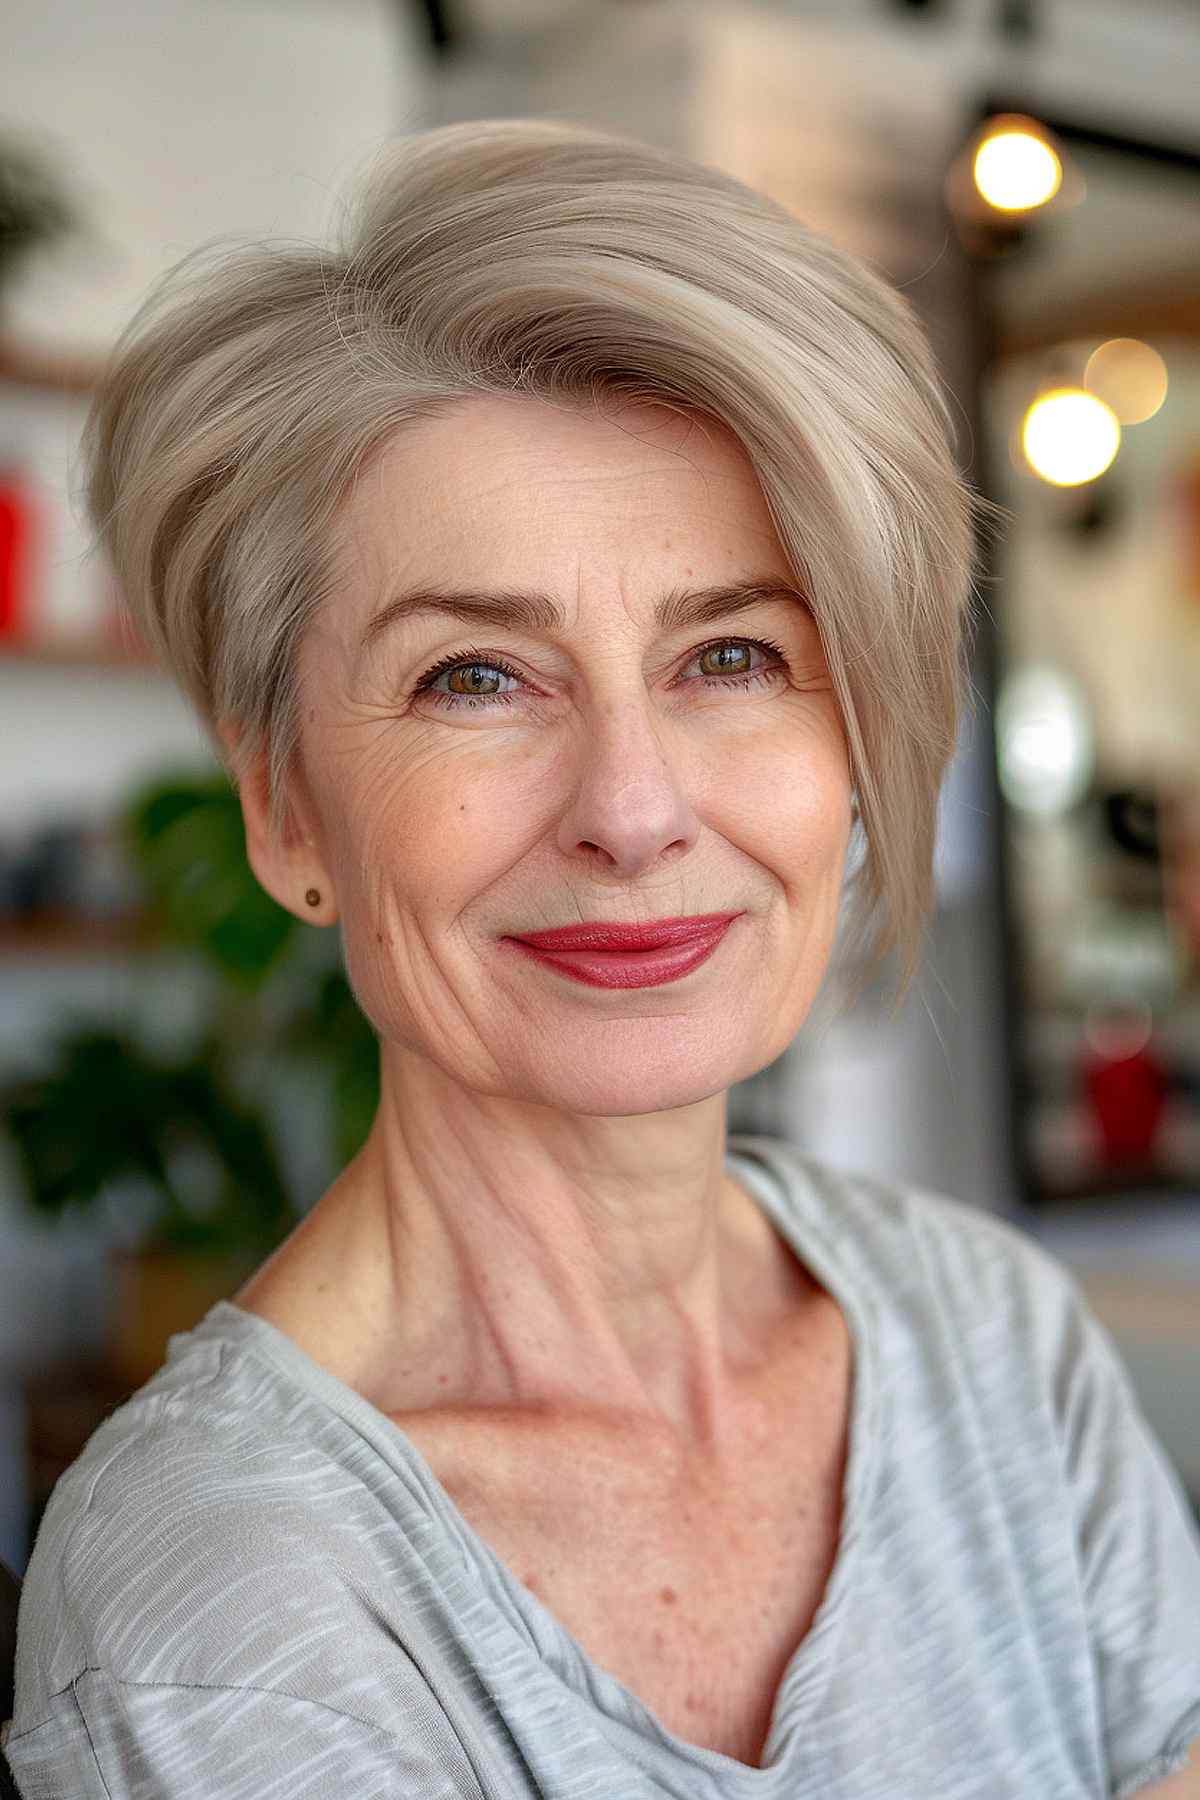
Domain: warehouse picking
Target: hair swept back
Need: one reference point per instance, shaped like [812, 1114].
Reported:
[538, 256]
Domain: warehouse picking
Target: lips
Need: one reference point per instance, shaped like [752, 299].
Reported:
[602, 934]
[602, 954]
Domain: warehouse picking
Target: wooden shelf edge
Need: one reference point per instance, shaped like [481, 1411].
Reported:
[61, 371]
[82, 653]
[67, 934]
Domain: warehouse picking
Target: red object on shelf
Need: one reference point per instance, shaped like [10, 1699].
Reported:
[1127, 1095]
[16, 560]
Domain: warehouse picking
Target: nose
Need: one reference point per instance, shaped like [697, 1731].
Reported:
[629, 803]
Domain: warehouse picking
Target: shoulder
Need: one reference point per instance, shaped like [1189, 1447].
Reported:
[925, 1245]
[207, 1609]
[964, 1309]
[202, 1530]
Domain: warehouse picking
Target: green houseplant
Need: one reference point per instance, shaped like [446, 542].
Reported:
[188, 1132]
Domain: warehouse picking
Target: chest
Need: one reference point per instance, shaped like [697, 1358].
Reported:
[694, 1594]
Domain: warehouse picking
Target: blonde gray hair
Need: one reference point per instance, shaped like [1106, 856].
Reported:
[540, 257]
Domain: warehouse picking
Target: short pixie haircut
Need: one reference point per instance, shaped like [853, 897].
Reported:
[540, 257]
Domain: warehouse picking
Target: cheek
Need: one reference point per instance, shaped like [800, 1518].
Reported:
[414, 849]
[426, 836]
[785, 795]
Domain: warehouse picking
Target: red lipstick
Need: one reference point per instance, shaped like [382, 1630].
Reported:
[604, 953]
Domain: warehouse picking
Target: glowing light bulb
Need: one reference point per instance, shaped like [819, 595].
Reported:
[1015, 169]
[1070, 436]
[1129, 376]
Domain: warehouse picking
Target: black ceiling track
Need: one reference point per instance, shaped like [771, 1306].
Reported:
[438, 26]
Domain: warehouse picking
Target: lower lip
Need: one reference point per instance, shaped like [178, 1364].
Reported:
[629, 968]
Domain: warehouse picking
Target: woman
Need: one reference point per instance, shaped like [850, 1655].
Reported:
[573, 568]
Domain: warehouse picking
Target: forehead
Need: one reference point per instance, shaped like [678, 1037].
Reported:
[509, 468]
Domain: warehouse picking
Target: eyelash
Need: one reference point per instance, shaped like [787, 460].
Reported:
[472, 658]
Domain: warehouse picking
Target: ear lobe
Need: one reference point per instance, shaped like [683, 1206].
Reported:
[286, 863]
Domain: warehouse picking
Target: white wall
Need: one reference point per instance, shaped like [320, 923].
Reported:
[179, 121]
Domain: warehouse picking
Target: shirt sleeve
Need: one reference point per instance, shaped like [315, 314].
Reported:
[115, 1740]
[1138, 1549]
[194, 1622]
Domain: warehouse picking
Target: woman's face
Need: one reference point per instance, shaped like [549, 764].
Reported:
[613, 768]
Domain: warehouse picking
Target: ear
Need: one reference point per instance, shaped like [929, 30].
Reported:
[287, 862]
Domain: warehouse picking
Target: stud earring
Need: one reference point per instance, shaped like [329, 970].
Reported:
[313, 896]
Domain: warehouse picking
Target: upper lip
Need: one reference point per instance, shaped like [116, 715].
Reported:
[605, 934]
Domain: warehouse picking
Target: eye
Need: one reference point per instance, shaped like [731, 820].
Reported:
[477, 667]
[740, 647]
[482, 668]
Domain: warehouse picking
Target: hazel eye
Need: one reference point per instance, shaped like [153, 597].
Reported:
[467, 668]
[770, 670]
[741, 648]
[461, 676]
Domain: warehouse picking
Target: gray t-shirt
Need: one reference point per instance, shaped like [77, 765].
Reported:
[250, 1584]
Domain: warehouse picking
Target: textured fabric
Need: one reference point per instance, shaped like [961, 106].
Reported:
[250, 1584]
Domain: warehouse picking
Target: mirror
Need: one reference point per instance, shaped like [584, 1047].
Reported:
[1089, 426]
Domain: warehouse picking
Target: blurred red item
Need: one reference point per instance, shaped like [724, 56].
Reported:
[16, 562]
[1127, 1095]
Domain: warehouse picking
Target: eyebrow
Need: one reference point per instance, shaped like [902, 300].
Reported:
[525, 609]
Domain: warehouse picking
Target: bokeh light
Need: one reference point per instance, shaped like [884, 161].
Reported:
[1118, 1032]
[1130, 377]
[1045, 742]
[1070, 436]
[1015, 167]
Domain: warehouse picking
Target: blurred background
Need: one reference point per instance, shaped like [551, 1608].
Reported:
[182, 1069]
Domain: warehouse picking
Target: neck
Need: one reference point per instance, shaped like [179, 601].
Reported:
[504, 1255]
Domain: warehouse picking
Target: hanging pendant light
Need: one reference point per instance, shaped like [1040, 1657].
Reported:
[1016, 165]
[1012, 168]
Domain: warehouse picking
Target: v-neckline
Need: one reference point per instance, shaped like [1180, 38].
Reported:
[757, 1169]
